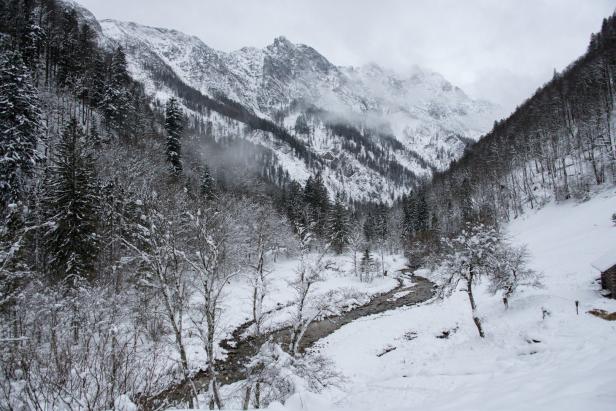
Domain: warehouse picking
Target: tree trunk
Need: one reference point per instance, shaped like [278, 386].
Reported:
[469, 291]
[210, 355]
[215, 393]
[254, 309]
[184, 361]
[176, 324]
[246, 403]
[258, 395]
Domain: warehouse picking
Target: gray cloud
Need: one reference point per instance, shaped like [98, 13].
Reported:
[500, 50]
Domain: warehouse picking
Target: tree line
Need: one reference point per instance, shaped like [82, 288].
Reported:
[558, 144]
[112, 224]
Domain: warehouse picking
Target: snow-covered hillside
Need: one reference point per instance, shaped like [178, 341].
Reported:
[267, 80]
[563, 362]
[409, 123]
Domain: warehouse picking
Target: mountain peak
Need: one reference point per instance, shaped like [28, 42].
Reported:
[282, 46]
[282, 41]
[418, 108]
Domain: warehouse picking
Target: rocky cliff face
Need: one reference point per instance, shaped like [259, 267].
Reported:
[374, 132]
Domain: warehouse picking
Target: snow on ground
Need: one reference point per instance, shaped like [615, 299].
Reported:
[237, 302]
[563, 362]
[339, 277]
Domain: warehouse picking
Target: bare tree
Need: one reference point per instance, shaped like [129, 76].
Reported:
[213, 260]
[265, 233]
[309, 273]
[511, 271]
[160, 248]
[469, 257]
[46, 368]
[356, 244]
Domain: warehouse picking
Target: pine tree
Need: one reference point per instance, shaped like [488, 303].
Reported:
[68, 58]
[174, 124]
[381, 231]
[369, 228]
[87, 56]
[416, 216]
[407, 216]
[20, 126]
[115, 100]
[98, 81]
[95, 137]
[14, 250]
[30, 38]
[17, 20]
[381, 225]
[301, 125]
[466, 201]
[317, 202]
[366, 265]
[72, 200]
[339, 230]
[294, 204]
[422, 216]
[207, 184]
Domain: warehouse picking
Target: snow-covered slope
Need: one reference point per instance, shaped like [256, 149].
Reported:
[563, 362]
[427, 121]
[270, 79]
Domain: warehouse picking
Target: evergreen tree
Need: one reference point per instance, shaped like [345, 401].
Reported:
[17, 20]
[174, 124]
[30, 38]
[138, 119]
[466, 201]
[317, 202]
[95, 137]
[115, 100]
[301, 125]
[369, 228]
[408, 210]
[309, 190]
[381, 231]
[422, 215]
[20, 126]
[366, 265]
[295, 205]
[207, 184]
[68, 58]
[87, 56]
[98, 82]
[416, 215]
[14, 251]
[381, 222]
[339, 230]
[72, 202]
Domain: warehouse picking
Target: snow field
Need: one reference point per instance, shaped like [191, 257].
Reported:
[563, 362]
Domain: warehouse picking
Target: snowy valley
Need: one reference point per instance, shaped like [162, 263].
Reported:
[188, 228]
[564, 361]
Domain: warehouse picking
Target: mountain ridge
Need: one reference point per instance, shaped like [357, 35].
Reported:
[431, 120]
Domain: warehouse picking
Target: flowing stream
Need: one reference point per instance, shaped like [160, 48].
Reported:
[240, 349]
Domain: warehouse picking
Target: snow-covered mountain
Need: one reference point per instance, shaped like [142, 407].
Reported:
[373, 132]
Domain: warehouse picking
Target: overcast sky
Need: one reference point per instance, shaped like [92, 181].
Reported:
[500, 50]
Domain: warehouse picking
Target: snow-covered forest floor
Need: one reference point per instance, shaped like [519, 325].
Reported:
[344, 291]
[564, 361]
